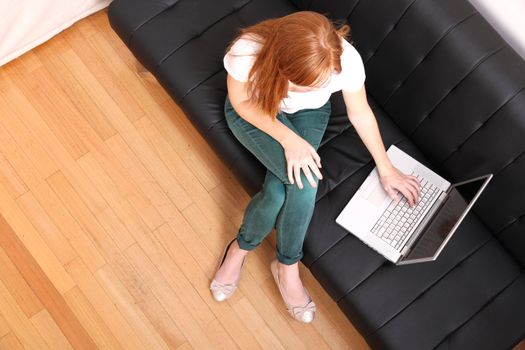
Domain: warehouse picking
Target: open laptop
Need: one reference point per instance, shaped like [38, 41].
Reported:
[407, 235]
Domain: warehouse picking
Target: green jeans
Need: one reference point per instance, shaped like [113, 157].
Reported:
[279, 204]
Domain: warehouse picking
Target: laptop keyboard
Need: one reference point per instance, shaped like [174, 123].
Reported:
[398, 219]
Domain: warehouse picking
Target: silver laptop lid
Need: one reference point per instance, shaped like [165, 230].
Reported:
[460, 198]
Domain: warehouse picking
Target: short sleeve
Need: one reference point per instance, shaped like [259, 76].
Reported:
[239, 60]
[353, 68]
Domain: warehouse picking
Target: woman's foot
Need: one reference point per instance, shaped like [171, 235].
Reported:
[300, 306]
[291, 284]
[229, 270]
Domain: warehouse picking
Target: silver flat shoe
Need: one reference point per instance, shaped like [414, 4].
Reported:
[304, 313]
[222, 291]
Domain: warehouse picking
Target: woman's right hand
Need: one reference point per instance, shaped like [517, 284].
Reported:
[301, 155]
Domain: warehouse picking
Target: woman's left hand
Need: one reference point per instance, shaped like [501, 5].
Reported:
[408, 185]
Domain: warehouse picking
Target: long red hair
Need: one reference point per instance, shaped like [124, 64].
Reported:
[303, 47]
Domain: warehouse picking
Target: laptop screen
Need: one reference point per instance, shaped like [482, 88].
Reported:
[445, 218]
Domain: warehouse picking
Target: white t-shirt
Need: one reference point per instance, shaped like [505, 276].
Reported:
[239, 60]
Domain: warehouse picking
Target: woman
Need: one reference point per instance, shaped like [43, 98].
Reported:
[281, 73]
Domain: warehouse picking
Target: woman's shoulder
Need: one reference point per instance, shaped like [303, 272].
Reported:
[350, 53]
[239, 60]
[353, 70]
[246, 44]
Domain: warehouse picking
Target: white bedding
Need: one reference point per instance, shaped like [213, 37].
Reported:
[25, 24]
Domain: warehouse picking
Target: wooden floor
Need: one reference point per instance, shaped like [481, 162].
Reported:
[115, 211]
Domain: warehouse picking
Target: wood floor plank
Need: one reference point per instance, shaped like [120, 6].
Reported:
[10, 342]
[259, 330]
[179, 312]
[23, 244]
[10, 178]
[19, 288]
[34, 151]
[4, 326]
[43, 288]
[125, 272]
[51, 56]
[189, 183]
[19, 160]
[54, 239]
[50, 331]
[104, 306]
[86, 27]
[91, 320]
[125, 302]
[122, 124]
[144, 180]
[54, 105]
[102, 73]
[197, 153]
[57, 150]
[61, 228]
[119, 207]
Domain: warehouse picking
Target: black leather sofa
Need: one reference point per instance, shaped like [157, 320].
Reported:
[446, 88]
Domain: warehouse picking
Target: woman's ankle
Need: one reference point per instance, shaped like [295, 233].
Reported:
[238, 249]
[288, 272]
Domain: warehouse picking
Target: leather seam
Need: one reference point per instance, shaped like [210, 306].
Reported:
[149, 19]
[486, 121]
[200, 83]
[200, 34]
[474, 68]
[450, 30]
[390, 31]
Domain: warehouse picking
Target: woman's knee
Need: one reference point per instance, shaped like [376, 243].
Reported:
[307, 189]
[275, 191]
[305, 195]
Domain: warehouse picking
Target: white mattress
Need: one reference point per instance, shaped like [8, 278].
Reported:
[25, 24]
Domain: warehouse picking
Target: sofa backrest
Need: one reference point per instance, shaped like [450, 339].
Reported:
[455, 87]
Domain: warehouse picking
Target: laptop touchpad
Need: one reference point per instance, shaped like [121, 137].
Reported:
[377, 195]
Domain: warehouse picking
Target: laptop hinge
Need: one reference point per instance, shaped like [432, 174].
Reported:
[421, 226]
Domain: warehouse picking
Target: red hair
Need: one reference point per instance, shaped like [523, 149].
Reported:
[304, 47]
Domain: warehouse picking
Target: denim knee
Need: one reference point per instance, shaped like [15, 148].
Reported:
[301, 200]
[308, 190]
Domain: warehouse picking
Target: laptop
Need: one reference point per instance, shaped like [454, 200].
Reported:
[407, 235]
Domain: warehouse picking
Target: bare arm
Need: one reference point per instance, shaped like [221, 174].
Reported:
[363, 119]
[239, 100]
[298, 152]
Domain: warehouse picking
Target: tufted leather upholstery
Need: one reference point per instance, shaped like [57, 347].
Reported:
[444, 87]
